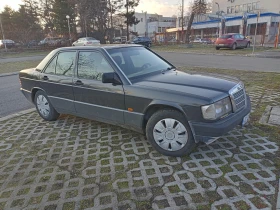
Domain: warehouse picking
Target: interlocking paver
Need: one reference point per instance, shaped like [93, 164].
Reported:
[75, 163]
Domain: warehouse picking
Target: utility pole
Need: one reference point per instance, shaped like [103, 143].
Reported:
[3, 34]
[256, 29]
[277, 37]
[127, 30]
[218, 29]
[183, 2]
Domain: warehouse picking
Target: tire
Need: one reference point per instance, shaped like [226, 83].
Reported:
[248, 45]
[44, 107]
[181, 146]
[234, 46]
[149, 45]
[217, 48]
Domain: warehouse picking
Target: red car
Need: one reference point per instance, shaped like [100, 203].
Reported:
[232, 41]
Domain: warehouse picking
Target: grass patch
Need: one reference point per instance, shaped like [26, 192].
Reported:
[206, 49]
[17, 66]
[23, 54]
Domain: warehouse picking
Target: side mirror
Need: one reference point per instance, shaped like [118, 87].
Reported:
[111, 77]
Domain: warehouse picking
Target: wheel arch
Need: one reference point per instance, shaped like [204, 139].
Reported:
[34, 91]
[159, 105]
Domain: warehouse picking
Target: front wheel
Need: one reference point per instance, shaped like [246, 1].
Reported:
[169, 133]
[217, 48]
[248, 45]
[44, 107]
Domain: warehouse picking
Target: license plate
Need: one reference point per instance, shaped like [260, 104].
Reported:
[245, 120]
[221, 44]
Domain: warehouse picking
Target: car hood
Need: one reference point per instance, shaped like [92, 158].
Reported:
[211, 87]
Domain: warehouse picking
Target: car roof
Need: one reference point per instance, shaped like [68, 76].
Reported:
[111, 46]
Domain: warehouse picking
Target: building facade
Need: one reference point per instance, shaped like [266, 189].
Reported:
[151, 24]
[239, 7]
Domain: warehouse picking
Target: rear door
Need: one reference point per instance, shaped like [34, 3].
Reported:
[57, 79]
[238, 40]
[243, 40]
[93, 98]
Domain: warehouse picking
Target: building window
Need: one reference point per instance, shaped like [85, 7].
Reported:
[228, 10]
[241, 8]
[258, 5]
[141, 19]
[249, 7]
[159, 29]
[232, 9]
[237, 8]
[244, 7]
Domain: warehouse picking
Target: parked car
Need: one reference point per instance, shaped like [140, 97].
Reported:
[232, 41]
[197, 40]
[9, 43]
[206, 41]
[133, 87]
[49, 41]
[86, 41]
[32, 43]
[145, 41]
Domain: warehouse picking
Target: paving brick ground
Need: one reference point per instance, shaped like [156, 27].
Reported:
[75, 163]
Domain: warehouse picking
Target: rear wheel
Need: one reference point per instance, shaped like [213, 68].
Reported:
[234, 46]
[149, 45]
[44, 107]
[248, 45]
[169, 133]
[217, 48]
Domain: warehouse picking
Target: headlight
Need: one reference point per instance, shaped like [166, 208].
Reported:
[217, 110]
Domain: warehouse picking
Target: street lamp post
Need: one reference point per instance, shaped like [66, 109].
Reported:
[68, 17]
[218, 31]
[3, 34]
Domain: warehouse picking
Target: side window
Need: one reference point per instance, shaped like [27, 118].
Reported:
[51, 67]
[65, 63]
[92, 65]
[241, 37]
[118, 58]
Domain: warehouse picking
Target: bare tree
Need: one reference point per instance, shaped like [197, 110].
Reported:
[197, 7]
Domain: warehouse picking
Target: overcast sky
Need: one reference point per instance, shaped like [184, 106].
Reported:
[162, 7]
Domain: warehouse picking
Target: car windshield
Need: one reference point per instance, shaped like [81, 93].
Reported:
[225, 36]
[138, 61]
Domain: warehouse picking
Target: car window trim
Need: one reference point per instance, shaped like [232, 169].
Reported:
[56, 55]
[90, 50]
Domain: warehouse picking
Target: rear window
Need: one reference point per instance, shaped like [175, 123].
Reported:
[226, 36]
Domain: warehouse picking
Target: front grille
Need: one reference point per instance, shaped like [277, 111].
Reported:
[238, 98]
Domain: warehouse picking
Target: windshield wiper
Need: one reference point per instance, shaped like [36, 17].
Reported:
[169, 68]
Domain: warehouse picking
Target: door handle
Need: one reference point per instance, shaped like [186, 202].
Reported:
[45, 78]
[79, 82]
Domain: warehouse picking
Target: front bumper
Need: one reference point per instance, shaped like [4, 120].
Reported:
[205, 132]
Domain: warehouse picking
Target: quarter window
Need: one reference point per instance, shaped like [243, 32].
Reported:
[51, 67]
[92, 65]
[62, 64]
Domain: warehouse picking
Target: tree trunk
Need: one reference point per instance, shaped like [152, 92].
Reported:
[188, 33]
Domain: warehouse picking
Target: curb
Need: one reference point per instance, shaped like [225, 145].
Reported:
[17, 114]
[9, 74]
